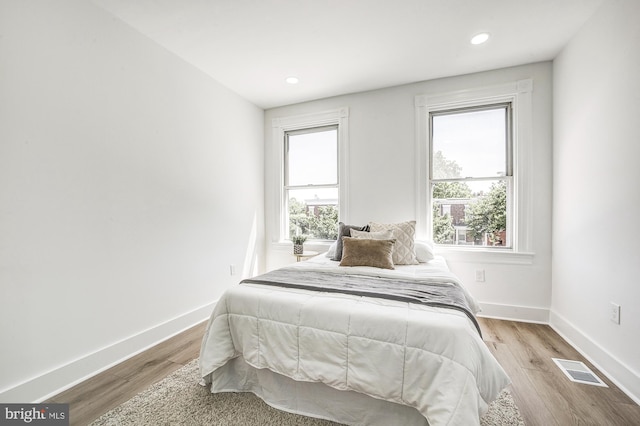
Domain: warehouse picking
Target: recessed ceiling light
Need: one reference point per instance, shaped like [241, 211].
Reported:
[292, 80]
[479, 38]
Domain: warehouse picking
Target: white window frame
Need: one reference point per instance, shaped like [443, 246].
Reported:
[288, 186]
[518, 94]
[280, 126]
[508, 178]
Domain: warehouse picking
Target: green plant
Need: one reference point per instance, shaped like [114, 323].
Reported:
[299, 239]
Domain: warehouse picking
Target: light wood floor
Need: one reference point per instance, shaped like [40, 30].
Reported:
[544, 395]
[99, 394]
[541, 391]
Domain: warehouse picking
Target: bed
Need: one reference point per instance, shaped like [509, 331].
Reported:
[355, 344]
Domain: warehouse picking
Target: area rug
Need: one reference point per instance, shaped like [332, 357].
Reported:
[180, 400]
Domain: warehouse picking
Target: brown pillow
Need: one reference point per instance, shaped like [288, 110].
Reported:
[361, 252]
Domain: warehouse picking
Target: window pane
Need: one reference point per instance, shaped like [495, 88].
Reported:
[470, 213]
[313, 212]
[469, 144]
[313, 158]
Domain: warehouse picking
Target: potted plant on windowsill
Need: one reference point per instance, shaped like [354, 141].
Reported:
[298, 241]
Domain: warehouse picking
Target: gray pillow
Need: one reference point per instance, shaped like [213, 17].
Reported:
[345, 231]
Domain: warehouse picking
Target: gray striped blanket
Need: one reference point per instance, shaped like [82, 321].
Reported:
[445, 295]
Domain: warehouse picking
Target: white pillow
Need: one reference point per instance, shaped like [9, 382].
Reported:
[380, 235]
[332, 250]
[424, 251]
[404, 233]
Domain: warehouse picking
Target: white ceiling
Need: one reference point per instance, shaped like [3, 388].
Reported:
[345, 46]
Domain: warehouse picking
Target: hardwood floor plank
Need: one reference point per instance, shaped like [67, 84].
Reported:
[489, 332]
[572, 403]
[531, 405]
[561, 408]
[568, 402]
[105, 391]
[529, 351]
[506, 332]
[93, 397]
[143, 365]
[189, 349]
[628, 412]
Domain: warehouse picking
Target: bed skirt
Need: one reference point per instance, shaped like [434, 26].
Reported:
[310, 398]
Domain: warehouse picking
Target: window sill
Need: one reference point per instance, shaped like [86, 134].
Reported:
[485, 255]
[319, 246]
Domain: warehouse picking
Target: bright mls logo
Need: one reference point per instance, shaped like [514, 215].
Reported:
[34, 414]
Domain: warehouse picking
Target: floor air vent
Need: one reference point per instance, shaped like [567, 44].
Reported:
[577, 372]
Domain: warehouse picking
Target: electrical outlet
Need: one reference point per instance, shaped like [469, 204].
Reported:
[480, 275]
[614, 314]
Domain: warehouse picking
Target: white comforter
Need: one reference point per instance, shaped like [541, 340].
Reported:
[429, 358]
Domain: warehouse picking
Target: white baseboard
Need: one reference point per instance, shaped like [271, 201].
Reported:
[619, 373]
[44, 386]
[514, 313]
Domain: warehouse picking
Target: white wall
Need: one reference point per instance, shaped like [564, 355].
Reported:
[129, 182]
[596, 256]
[383, 187]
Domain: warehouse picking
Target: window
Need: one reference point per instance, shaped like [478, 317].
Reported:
[311, 182]
[455, 175]
[310, 176]
[470, 175]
